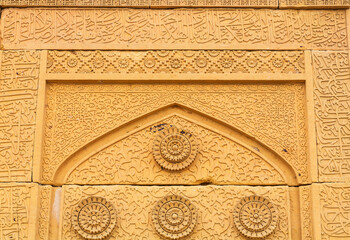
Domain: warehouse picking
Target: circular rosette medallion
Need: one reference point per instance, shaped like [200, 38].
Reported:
[174, 217]
[255, 217]
[174, 149]
[94, 218]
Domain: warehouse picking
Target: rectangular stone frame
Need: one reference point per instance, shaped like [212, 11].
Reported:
[306, 78]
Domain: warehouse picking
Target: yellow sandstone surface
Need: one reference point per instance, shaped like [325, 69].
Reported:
[175, 119]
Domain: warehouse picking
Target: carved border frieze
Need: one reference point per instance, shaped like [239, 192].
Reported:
[314, 3]
[136, 29]
[176, 61]
[139, 3]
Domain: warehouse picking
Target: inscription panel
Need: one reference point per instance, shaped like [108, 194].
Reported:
[173, 28]
[18, 210]
[141, 3]
[18, 94]
[134, 206]
[333, 211]
[332, 107]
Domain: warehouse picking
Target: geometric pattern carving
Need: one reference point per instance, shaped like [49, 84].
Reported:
[173, 28]
[174, 217]
[18, 94]
[332, 97]
[255, 217]
[174, 149]
[176, 61]
[94, 218]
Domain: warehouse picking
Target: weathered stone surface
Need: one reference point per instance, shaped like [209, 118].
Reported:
[314, 3]
[332, 107]
[18, 98]
[139, 3]
[331, 212]
[248, 108]
[173, 29]
[18, 211]
[182, 102]
[136, 205]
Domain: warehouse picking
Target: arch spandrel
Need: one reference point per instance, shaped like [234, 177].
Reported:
[225, 155]
[246, 109]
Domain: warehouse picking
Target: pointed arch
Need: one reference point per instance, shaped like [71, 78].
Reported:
[160, 114]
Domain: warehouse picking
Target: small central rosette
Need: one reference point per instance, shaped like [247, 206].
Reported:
[174, 149]
[94, 218]
[174, 217]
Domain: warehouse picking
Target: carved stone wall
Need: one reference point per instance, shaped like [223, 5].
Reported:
[332, 107]
[176, 62]
[331, 208]
[70, 107]
[134, 206]
[174, 29]
[227, 166]
[314, 3]
[178, 3]
[18, 95]
[142, 3]
[18, 211]
[203, 120]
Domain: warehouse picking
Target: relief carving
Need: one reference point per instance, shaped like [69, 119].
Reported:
[140, 3]
[174, 149]
[220, 160]
[176, 61]
[76, 115]
[334, 211]
[94, 218]
[18, 211]
[255, 217]
[173, 28]
[211, 219]
[314, 3]
[18, 96]
[332, 107]
[174, 217]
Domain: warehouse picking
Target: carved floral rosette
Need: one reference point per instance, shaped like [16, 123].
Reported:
[255, 217]
[174, 217]
[174, 149]
[94, 218]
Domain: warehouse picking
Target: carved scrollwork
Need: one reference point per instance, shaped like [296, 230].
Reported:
[174, 149]
[255, 217]
[174, 217]
[94, 218]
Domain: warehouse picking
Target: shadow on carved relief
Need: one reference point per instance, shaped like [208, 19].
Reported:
[142, 153]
